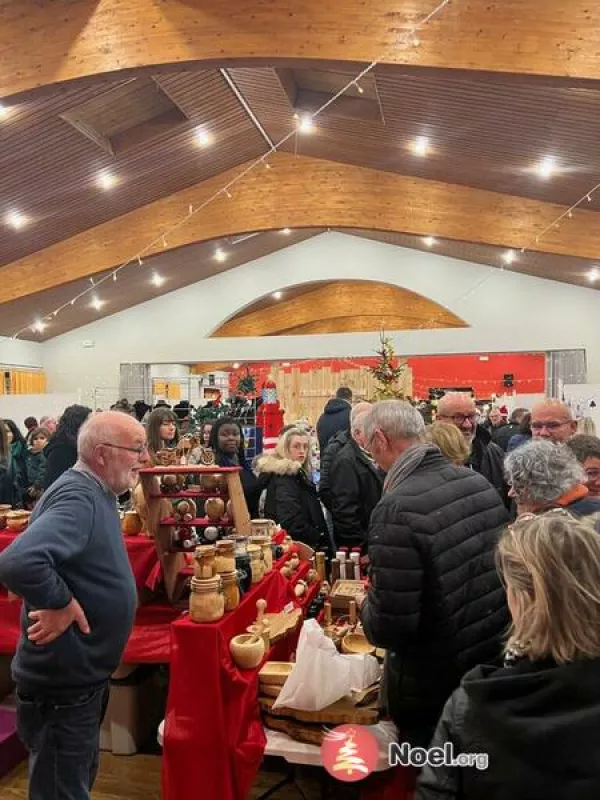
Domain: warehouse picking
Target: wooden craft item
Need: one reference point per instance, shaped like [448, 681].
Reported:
[309, 734]
[343, 592]
[320, 565]
[282, 624]
[275, 673]
[328, 618]
[342, 712]
[215, 508]
[352, 612]
[305, 552]
[367, 696]
[268, 690]
[247, 650]
[357, 644]
[261, 607]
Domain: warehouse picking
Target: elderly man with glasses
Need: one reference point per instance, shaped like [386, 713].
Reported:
[552, 420]
[486, 457]
[71, 568]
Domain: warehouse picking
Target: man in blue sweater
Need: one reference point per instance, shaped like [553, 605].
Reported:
[71, 568]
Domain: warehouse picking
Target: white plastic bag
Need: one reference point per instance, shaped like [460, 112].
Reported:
[321, 675]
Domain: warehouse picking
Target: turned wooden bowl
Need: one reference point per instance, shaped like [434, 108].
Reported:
[356, 644]
[247, 650]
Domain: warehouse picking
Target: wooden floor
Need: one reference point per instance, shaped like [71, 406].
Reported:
[138, 778]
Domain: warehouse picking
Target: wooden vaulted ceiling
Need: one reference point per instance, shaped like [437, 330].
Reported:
[121, 87]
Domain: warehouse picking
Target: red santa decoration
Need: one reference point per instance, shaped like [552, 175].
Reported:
[270, 415]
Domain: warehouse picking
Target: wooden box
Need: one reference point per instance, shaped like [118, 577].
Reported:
[343, 592]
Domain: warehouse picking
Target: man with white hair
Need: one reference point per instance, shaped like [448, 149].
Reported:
[71, 568]
[355, 485]
[486, 457]
[435, 601]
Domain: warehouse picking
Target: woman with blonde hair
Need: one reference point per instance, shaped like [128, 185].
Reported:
[536, 721]
[291, 496]
[450, 441]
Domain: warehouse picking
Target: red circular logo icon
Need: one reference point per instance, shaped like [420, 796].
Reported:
[350, 752]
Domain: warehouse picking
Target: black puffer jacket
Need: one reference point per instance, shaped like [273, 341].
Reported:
[327, 458]
[335, 417]
[538, 723]
[355, 485]
[488, 459]
[436, 602]
[291, 500]
[61, 455]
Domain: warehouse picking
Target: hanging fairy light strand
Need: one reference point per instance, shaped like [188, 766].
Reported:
[409, 36]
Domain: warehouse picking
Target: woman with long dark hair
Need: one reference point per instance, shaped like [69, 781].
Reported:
[18, 449]
[61, 450]
[227, 443]
[10, 489]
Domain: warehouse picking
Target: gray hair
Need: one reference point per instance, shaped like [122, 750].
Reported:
[104, 427]
[542, 471]
[358, 415]
[396, 418]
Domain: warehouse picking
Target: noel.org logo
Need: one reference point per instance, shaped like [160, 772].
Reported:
[350, 753]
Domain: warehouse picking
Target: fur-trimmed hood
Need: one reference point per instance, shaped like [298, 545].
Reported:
[272, 464]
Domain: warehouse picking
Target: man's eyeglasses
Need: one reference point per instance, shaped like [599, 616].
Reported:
[550, 426]
[460, 419]
[139, 450]
[593, 474]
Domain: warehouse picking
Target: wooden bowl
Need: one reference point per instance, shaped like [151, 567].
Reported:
[275, 673]
[357, 644]
[247, 650]
[131, 524]
[16, 521]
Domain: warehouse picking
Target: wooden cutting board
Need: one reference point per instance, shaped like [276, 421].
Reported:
[339, 713]
[269, 691]
[309, 734]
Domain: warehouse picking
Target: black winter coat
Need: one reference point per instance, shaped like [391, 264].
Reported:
[435, 602]
[355, 485]
[61, 455]
[539, 724]
[488, 459]
[335, 417]
[291, 500]
[327, 458]
[10, 488]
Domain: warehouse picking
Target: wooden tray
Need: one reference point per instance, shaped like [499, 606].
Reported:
[269, 690]
[339, 713]
[309, 734]
[283, 623]
[275, 673]
[342, 592]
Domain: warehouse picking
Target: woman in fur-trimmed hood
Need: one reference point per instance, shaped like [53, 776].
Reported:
[291, 497]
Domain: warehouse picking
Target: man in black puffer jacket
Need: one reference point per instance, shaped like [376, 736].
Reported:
[335, 417]
[435, 601]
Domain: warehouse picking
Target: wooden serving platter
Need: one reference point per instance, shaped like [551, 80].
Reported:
[283, 623]
[339, 713]
[309, 734]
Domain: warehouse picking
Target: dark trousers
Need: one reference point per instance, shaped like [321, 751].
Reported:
[62, 736]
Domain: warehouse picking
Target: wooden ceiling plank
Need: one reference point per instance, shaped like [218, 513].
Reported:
[304, 192]
[89, 38]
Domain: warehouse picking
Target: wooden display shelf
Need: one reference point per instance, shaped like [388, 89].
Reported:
[190, 469]
[189, 493]
[198, 522]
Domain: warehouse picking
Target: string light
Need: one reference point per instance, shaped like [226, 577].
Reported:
[139, 260]
[593, 274]
[220, 255]
[16, 220]
[509, 256]
[277, 295]
[429, 241]
[228, 193]
[286, 231]
[157, 279]
[114, 276]
[305, 125]
[359, 87]
[38, 326]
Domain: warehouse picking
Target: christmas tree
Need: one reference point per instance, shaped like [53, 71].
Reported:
[387, 372]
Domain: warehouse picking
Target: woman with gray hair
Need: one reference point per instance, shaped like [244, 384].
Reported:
[543, 475]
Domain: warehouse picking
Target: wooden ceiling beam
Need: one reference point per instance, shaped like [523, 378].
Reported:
[303, 192]
[44, 42]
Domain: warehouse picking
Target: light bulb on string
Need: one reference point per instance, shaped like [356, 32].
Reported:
[114, 276]
[588, 198]
[139, 260]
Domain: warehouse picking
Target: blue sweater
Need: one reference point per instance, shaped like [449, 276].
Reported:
[73, 547]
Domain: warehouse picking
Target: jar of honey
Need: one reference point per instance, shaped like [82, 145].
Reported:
[207, 601]
[256, 562]
[231, 590]
[225, 560]
[205, 562]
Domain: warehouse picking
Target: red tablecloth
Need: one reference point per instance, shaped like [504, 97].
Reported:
[212, 713]
[150, 639]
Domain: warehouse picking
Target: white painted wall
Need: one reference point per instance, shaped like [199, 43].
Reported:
[19, 353]
[505, 311]
[20, 406]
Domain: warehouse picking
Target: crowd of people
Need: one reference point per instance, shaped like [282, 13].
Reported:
[481, 544]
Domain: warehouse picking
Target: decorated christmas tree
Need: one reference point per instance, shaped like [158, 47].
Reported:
[388, 372]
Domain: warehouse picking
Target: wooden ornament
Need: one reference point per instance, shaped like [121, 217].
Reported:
[215, 508]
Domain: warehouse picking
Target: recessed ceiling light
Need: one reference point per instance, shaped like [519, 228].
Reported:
[420, 146]
[220, 255]
[593, 274]
[545, 169]
[38, 326]
[277, 295]
[203, 137]
[306, 125]
[509, 256]
[96, 303]
[16, 220]
[157, 279]
[286, 231]
[106, 180]
[429, 241]
[4, 111]
[236, 365]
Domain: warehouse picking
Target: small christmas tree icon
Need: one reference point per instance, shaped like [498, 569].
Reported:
[348, 760]
[387, 372]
